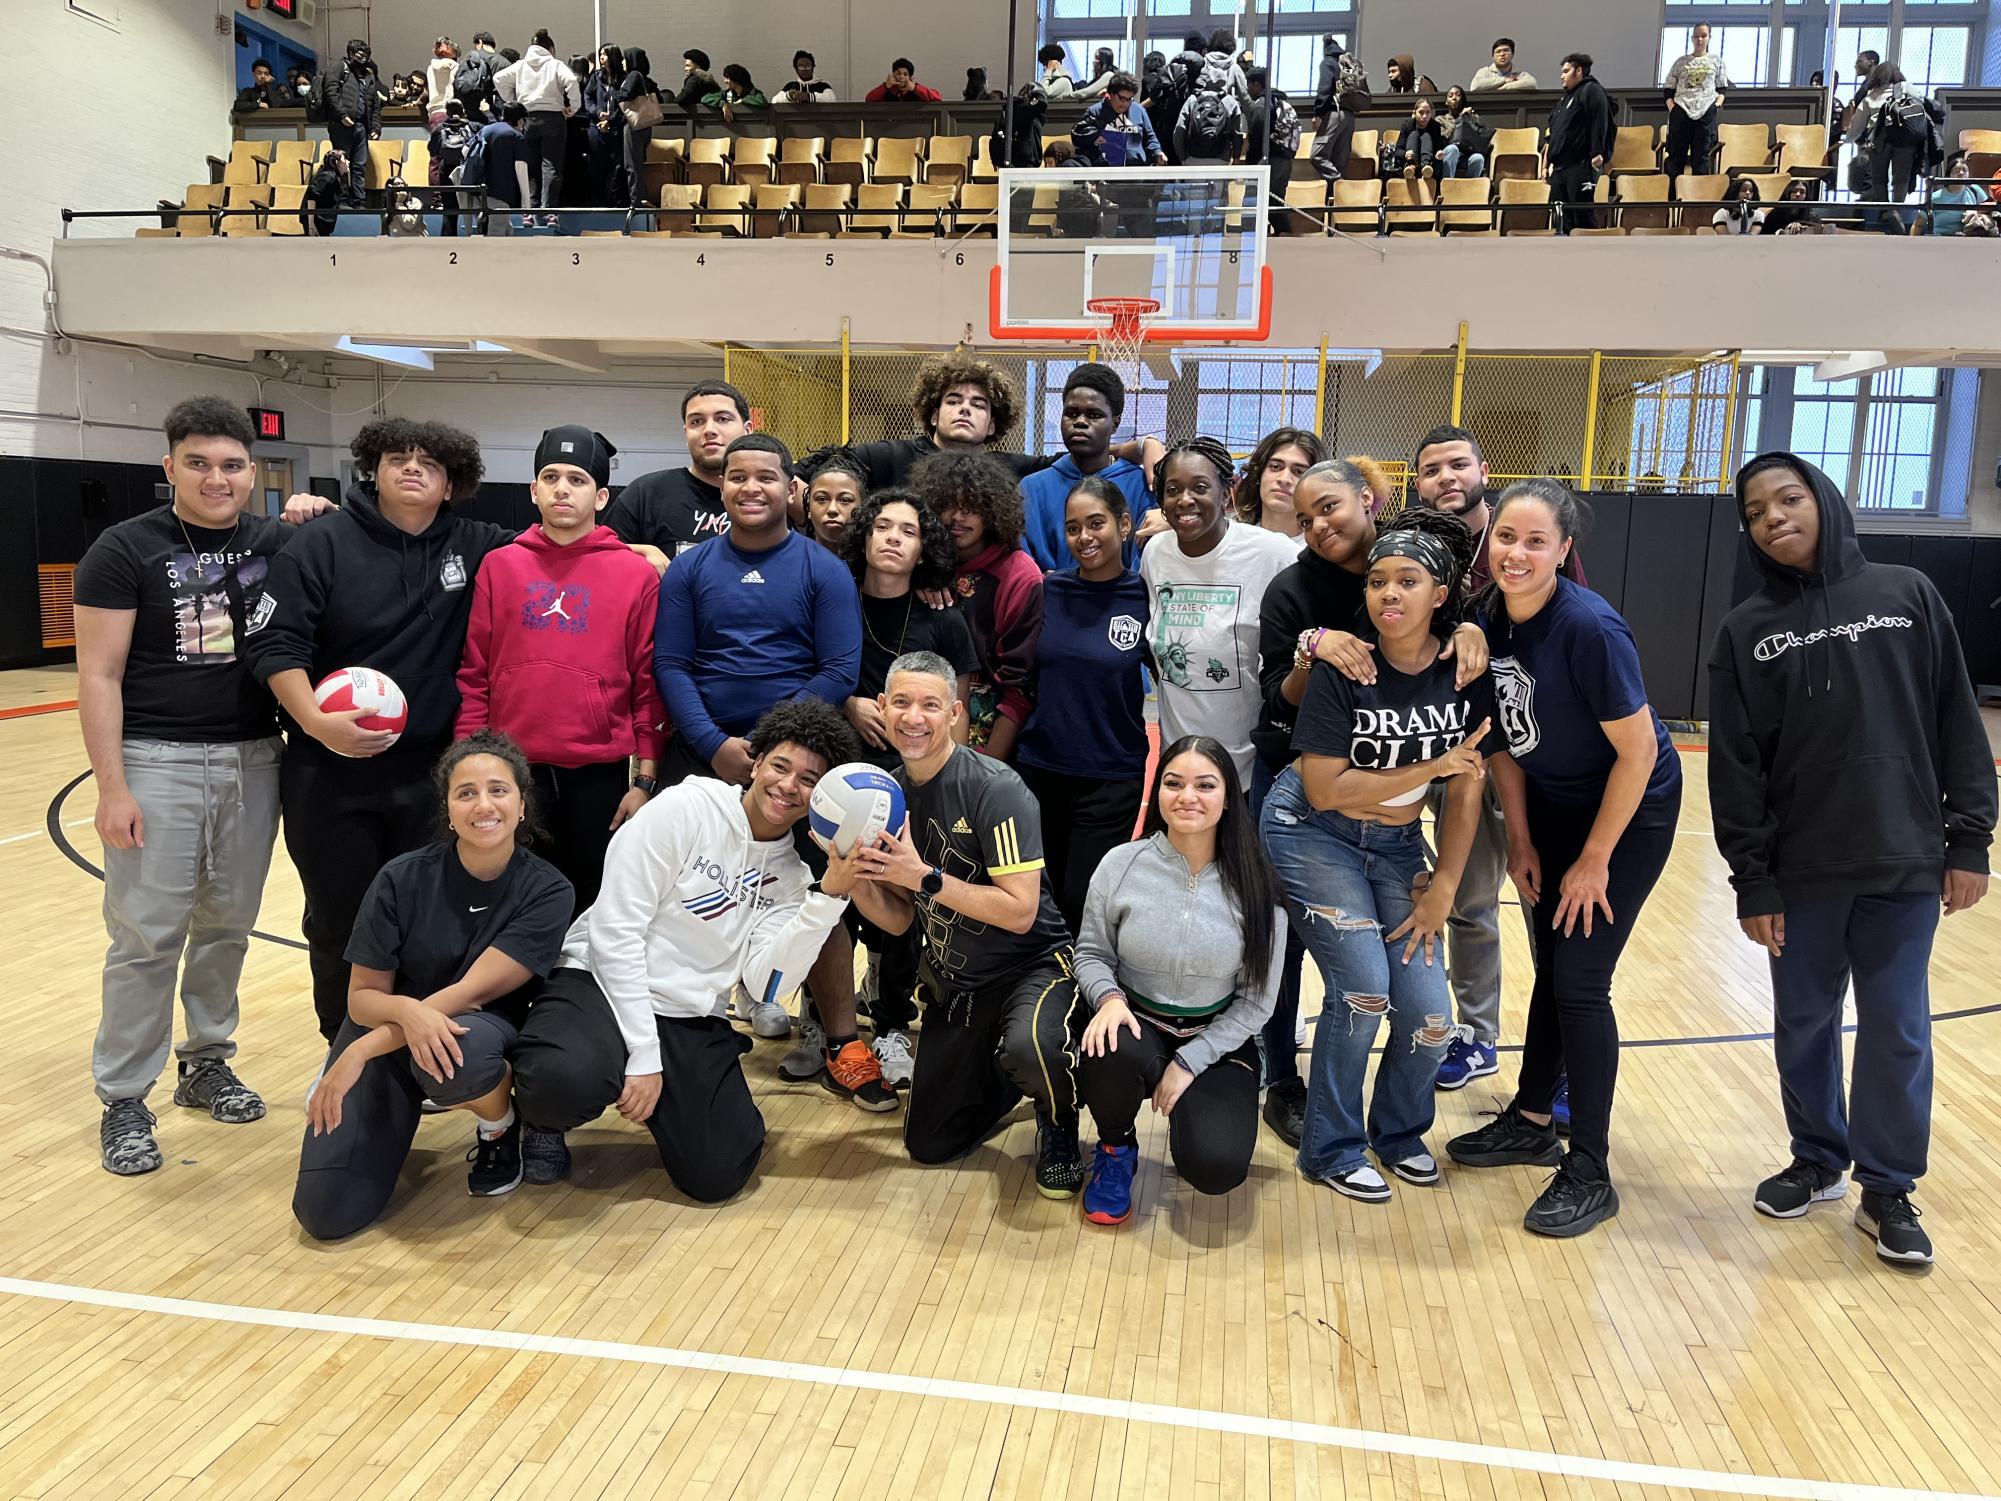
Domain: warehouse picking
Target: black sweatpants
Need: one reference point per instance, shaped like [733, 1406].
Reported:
[1570, 1023]
[344, 820]
[1213, 1127]
[983, 1050]
[548, 135]
[1083, 820]
[1572, 187]
[569, 1068]
[896, 954]
[347, 1177]
[1690, 144]
[576, 805]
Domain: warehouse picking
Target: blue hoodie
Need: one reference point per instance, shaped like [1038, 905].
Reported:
[1045, 493]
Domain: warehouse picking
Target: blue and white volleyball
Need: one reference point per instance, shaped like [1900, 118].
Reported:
[853, 802]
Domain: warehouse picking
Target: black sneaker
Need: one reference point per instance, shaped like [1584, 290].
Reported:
[1893, 1220]
[545, 1156]
[1789, 1193]
[1505, 1141]
[1285, 1110]
[1059, 1165]
[496, 1163]
[125, 1136]
[210, 1084]
[1572, 1203]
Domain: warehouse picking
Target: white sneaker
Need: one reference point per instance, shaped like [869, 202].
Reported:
[809, 1057]
[892, 1050]
[1420, 1168]
[1362, 1182]
[770, 1019]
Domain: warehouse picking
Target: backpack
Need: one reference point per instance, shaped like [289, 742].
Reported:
[472, 171]
[1472, 136]
[1209, 124]
[454, 138]
[473, 83]
[1351, 83]
[1284, 128]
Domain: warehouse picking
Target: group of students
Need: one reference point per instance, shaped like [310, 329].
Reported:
[587, 849]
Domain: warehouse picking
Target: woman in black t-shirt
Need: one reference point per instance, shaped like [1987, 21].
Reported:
[447, 942]
[1343, 824]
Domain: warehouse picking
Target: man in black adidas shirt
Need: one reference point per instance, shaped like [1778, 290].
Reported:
[184, 744]
[673, 509]
[1001, 1006]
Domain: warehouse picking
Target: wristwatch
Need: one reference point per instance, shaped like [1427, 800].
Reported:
[646, 784]
[933, 882]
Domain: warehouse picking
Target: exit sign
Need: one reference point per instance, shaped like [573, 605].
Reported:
[270, 423]
[286, 8]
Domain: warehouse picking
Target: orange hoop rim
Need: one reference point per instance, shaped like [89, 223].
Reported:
[1127, 314]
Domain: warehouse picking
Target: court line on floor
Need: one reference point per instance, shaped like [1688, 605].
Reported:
[28, 711]
[1114, 1409]
[68, 823]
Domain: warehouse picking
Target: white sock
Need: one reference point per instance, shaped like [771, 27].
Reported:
[494, 1130]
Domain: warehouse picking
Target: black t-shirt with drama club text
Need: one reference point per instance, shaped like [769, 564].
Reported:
[196, 593]
[427, 919]
[1396, 721]
[977, 820]
[671, 509]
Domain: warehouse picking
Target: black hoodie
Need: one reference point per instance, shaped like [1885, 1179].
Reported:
[1846, 751]
[359, 591]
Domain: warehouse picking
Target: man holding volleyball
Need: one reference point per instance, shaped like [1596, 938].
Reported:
[1000, 1019]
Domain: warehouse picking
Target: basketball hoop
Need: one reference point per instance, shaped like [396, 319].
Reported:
[1124, 331]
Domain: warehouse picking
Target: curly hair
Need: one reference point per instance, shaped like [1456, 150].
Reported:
[490, 742]
[1250, 490]
[208, 417]
[1388, 501]
[455, 448]
[1211, 449]
[937, 560]
[941, 373]
[973, 482]
[816, 727]
[1458, 541]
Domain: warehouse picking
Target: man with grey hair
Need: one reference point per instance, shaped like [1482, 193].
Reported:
[1001, 1013]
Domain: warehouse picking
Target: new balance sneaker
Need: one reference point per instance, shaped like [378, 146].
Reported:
[1893, 1220]
[892, 1050]
[210, 1084]
[1420, 1168]
[855, 1073]
[1466, 1060]
[1505, 1141]
[1360, 1182]
[545, 1156]
[1791, 1191]
[808, 1059]
[1108, 1196]
[1559, 1108]
[496, 1162]
[1059, 1164]
[1285, 1110]
[1572, 1202]
[125, 1137]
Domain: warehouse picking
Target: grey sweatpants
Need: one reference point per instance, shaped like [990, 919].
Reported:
[183, 903]
[1331, 145]
[1473, 931]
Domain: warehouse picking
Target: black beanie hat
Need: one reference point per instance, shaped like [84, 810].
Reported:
[580, 446]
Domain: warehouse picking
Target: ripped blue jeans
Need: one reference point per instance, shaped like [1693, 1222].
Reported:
[1348, 886]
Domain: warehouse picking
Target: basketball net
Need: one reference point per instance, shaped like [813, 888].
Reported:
[1124, 333]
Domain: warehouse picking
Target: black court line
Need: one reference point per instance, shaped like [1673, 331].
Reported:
[62, 843]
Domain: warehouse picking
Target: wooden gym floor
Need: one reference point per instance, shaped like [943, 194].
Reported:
[853, 1325]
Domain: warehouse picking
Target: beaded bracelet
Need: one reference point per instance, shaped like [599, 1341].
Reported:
[1306, 647]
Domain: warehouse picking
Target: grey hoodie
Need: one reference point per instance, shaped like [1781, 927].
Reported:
[1172, 944]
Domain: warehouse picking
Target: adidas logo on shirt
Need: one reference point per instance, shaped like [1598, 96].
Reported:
[962, 827]
[753, 577]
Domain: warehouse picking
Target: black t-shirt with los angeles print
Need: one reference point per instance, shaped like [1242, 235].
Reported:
[976, 819]
[195, 593]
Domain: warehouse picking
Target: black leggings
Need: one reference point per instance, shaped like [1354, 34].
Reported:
[1570, 1022]
[1083, 820]
[576, 805]
[346, 1177]
[1213, 1127]
[569, 1068]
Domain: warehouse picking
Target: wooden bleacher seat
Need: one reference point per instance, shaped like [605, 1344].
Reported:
[898, 159]
[249, 162]
[725, 208]
[823, 214]
[1525, 206]
[417, 164]
[1745, 148]
[1306, 193]
[1771, 186]
[679, 203]
[708, 161]
[933, 198]
[1643, 201]
[291, 163]
[385, 160]
[799, 159]
[282, 218]
[1363, 149]
[948, 159]
[1357, 205]
[1463, 205]
[1411, 210]
[1802, 150]
[154, 232]
[773, 204]
[978, 210]
[1632, 151]
[984, 169]
[848, 160]
[754, 159]
[876, 211]
[196, 221]
[1516, 154]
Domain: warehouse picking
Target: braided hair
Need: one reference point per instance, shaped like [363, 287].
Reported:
[1452, 534]
[1206, 448]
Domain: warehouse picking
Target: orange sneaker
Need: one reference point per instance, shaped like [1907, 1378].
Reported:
[855, 1072]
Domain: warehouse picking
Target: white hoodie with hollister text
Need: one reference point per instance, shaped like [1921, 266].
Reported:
[692, 903]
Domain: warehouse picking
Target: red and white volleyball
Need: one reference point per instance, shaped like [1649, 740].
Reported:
[365, 688]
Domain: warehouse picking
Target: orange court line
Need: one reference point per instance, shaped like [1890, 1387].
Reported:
[27, 709]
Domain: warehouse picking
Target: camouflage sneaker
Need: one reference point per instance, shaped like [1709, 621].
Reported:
[210, 1084]
[126, 1136]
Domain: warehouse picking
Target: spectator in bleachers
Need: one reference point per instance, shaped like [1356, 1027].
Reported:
[1502, 73]
[1153, 80]
[604, 139]
[1951, 196]
[1894, 128]
[1104, 65]
[1115, 132]
[977, 90]
[1418, 147]
[352, 106]
[1865, 64]
[472, 83]
[1468, 140]
[264, 91]
[1741, 215]
[738, 93]
[504, 151]
[545, 88]
[449, 144]
[902, 87]
[698, 82]
[325, 194]
[299, 83]
[398, 92]
[438, 76]
[1209, 131]
[637, 84]
[1221, 59]
[1580, 142]
[805, 88]
[1056, 80]
[1405, 79]
[1026, 149]
[1792, 218]
[1342, 91]
[403, 210]
[1695, 88]
[1273, 133]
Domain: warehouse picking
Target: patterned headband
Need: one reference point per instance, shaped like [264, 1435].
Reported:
[1422, 546]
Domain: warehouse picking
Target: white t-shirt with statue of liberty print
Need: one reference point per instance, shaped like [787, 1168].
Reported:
[1202, 624]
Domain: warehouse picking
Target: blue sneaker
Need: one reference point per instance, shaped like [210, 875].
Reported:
[1559, 1109]
[1108, 1196]
[1466, 1060]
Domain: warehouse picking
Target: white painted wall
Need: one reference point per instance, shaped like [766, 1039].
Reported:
[1449, 39]
[170, 50]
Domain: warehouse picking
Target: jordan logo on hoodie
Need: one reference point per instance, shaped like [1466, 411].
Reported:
[547, 606]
